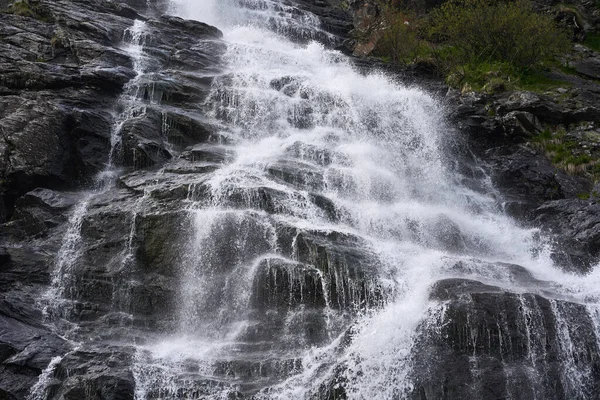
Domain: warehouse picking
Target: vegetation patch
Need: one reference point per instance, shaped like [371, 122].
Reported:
[29, 9]
[592, 40]
[488, 45]
[22, 8]
[567, 154]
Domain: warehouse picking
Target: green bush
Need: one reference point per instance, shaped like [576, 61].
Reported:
[592, 40]
[401, 39]
[22, 8]
[30, 9]
[489, 45]
[484, 31]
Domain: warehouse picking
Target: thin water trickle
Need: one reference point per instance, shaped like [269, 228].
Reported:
[58, 302]
[71, 248]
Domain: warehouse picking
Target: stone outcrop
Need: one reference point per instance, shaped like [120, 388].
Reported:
[504, 344]
[504, 131]
[66, 78]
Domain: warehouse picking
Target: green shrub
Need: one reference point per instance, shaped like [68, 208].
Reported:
[22, 8]
[592, 40]
[30, 9]
[401, 41]
[489, 45]
[484, 31]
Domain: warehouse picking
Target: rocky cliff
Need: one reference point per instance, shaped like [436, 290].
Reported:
[104, 141]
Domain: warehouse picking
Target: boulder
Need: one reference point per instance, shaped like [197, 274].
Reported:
[494, 339]
[590, 67]
[575, 224]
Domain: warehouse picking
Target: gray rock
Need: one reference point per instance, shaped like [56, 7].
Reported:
[576, 225]
[26, 346]
[590, 67]
[487, 337]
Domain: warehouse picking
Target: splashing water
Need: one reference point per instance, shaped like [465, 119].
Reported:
[313, 248]
[330, 171]
[38, 391]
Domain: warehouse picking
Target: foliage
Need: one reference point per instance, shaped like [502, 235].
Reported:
[511, 32]
[565, 154]
[22, 8]
[401, 41]
[30, 9]
[592, 40]
[489, 45]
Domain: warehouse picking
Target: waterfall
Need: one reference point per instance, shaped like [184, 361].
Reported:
[314, 246]
[316, 242]
[55, 303]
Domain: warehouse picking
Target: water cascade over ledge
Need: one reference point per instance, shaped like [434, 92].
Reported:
[305, 236]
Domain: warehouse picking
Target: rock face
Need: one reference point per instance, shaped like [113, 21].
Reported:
[124, 219]
[506, 345]
[502, 130]
[70, 89]
[62, 72]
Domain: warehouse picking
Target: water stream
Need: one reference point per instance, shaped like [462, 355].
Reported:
[311, 251]
[335, 194]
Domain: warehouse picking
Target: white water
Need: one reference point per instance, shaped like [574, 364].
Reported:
[38, 391]
[374, 148]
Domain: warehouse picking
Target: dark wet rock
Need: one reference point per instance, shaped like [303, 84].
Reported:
[26, 346]
[524, 177]
[538, 105]
[590, 67]
[521, 123]
[298, 174]
[27, 265]
[334, 18]
[576, 225]
[493, 338]
[49, 198]
[455, 289]
[527, 179]
[4, 257]
[35, 147]
[281, 284]
[345, 261]
[512, 273]
[208, 153]
[38, 211]
[95, 373]
[153, 252]
[184, 45]
[155, 136]
[143, 144]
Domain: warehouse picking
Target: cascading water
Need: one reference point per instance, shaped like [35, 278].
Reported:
[315, 243]
[305, 236]
[56, 302]
[105, 180]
